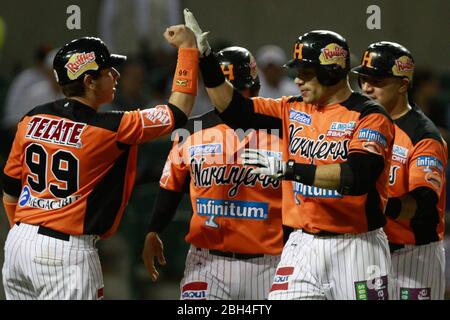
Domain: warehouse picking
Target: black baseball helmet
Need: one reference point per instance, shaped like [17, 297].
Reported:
[326, 51]
[239, 67]
[386, 59]
[81, 56]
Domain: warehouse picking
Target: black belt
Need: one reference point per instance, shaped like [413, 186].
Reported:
[394, 247]
[52, 233]
[238, 256]
[323, 233]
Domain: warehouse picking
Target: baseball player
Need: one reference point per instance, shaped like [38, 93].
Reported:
[415, 209]
[71, 170]
[336, 150]
[235, 231]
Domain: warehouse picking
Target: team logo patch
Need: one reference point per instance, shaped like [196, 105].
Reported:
[227, 70]
[156, 117]
[415, 293]
[399, 154]
[204, 149]
[373, 289]
[79, 63]
[194, 291]
[429, 162]
[281, 279]
[403, 67]
[333, 54]
[300, 117]
[341, 129]
[24, 196]
[232, 208]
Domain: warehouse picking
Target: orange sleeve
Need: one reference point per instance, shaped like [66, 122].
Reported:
[175, 170]
[427, 165]
[144, 125]
[12, 179]
[268, 107]
[374, 134]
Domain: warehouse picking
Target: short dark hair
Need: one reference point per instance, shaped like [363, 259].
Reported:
[76, 88]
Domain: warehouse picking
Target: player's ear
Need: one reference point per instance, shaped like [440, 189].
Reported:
[404, 85]
[88, 82]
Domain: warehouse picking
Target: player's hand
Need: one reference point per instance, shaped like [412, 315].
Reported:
[180, 36]
[266, 163]
[202, 37]
[153, 247]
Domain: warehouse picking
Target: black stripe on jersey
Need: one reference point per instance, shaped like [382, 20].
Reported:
[418, 126]
[240, 114]
[12, 186]
[78, 112]
[364, 105]
[103, 203]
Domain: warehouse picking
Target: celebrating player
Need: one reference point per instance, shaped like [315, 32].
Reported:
[415, 209]
[235, 232]
[71, 169]
[336, 149]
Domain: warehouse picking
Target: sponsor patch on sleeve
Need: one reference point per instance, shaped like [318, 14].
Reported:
[374, 141]
[156, 117]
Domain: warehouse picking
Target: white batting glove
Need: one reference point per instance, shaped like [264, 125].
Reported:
[266, 164]
[202, 42]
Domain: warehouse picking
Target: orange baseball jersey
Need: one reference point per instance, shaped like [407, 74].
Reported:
[233, 210]
[324, 136]
[419, 159]
[73, 169]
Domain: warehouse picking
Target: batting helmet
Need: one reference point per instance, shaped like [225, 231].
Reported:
[324, 50]
[81, 56]
[239, 67]
[386, 59]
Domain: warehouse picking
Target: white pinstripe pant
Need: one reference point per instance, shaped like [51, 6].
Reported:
[211, 277]
[41, 267]
[419, 272]
[345, 267]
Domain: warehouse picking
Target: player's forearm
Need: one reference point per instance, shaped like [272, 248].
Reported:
[219, 90]
[221, 96]
[322, 176]
[165, 208]
[9, 203]
[184, 87]
[182, 101]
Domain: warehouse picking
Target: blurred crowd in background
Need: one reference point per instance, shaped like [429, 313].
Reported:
[145, 81]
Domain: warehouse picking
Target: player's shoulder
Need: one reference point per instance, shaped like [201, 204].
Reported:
[364, 105]
[418, 126]
[75, 111]
[195, 124]
[206, 120]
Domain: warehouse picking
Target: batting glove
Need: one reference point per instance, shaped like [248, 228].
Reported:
[266, 164]
[202, 42]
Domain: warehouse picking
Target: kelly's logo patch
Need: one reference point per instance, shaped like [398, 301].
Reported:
[300, 117]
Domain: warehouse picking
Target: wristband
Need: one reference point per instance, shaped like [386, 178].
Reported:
[186, 72]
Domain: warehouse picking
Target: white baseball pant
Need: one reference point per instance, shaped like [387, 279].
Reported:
[337, 267]
[39, 266]
[212, 277]
[418, 272]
